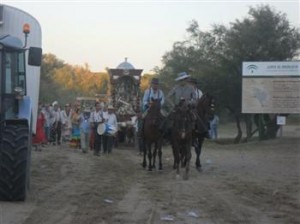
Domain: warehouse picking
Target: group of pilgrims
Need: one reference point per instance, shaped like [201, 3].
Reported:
[78, 126]
[75, 125]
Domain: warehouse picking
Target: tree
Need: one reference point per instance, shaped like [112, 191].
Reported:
[66, 82]
[265, 35]
[48, 89]
[216, 57]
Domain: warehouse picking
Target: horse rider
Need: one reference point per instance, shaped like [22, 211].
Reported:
[182, 91]
[152, 93]
[194, 83]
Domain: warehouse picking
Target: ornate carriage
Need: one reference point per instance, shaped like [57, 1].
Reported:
[125, 93]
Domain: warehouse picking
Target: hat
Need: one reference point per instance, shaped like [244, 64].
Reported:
[54, 103]
[155, 81]
[86, 109]
[181, 76]
[193, 80]
[110, 107]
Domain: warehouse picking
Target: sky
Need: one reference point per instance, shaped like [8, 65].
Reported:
[102, 33]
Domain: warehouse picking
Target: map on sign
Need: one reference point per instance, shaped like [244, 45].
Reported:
[271, 87]
[261, 95]
[271, 95]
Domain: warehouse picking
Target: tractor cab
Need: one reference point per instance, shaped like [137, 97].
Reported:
[13, 74]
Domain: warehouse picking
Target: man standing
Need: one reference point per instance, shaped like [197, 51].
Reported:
[96, 119]
[55, 124]
[111, 121]
[85, 129]
[214, 127]
[66, 116]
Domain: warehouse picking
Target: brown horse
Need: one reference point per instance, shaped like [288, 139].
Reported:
[152, 135]
[205, 110]
[181, 137]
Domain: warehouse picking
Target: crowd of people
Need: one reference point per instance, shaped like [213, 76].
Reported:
[79, 126]
[76, 126]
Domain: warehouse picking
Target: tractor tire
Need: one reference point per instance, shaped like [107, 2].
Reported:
[14, 162]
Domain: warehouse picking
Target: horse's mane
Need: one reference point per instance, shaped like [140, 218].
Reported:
[154, 108]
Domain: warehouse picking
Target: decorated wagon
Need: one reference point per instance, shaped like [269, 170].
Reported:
[125, 97]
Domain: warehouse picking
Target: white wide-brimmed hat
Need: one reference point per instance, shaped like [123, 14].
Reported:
[54, 103]
[181, 76]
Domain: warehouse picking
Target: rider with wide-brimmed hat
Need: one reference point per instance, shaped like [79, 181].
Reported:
[183, 91]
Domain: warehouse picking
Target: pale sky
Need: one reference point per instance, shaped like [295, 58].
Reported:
[103, 33]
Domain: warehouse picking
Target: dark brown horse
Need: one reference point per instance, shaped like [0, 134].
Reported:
[181, 137]
[205, 110]
[152, 135]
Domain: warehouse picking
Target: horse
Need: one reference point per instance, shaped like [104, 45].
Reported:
[204, 110]
[181, 137]
[152, 135]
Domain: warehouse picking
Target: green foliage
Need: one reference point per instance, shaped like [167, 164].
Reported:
[215, 57]
[64, 82]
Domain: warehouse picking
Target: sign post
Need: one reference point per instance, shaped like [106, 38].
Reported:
[280, 120]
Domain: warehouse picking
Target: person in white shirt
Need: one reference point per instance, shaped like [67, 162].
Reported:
[153, 93]
[112, 123]
[194, 83]
[97, 117]
[55, 124]
[150, 94]
[66, 122]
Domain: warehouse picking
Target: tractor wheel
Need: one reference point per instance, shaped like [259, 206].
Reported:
[14, 162]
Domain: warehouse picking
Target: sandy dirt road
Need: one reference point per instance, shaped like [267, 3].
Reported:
[255, 182]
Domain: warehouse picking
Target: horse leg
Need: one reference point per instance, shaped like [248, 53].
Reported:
[174, 156]
[144, 153]
[176, 160]
[198, 148]
[154, 156]
[187, 161]
[149, 156]
[182, 155]
[160, 155]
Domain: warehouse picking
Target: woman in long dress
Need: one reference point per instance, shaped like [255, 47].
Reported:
[75, 141]
[39, 138]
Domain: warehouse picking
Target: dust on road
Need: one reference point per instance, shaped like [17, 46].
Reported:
[256, 182]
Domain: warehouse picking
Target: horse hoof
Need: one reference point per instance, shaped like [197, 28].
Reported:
[177, 176]
[185, 176]
[199, 168]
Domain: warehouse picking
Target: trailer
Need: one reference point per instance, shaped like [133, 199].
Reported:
[125, 96]
[20, 60]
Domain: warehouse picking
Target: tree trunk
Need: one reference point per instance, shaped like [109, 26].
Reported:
[240, 133]
[272, 127]
[238, 125]
[248, 122]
